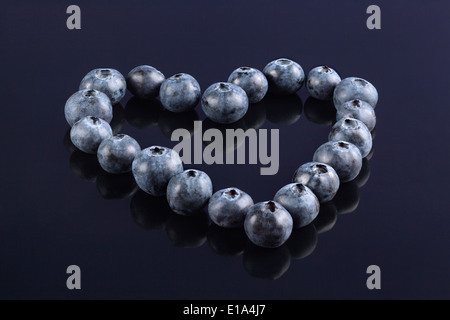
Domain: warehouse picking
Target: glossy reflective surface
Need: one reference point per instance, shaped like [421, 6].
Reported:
[58, 208]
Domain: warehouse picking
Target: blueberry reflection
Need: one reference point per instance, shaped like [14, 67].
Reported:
[320, 112]
[149, 212]
[364, 175]
[266, 263]
[327, 217]
[143, 114]
[116, 186]
[226, 241]
[370, 155]
[118, 118]
[283, 110]
[302, 241]
[187, 231]
[170, 121]
[190, 232]
[84, 166]
[347, 197]
[255, 116]
[67, 142]
[240, 124]
[373, 133]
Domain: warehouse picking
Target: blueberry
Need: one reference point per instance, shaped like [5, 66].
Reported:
[224, 102]
[320, 178]
[87, 134]
[268, 224]
[300, 202]
[358, 109]
[228, 207]
[321, 82]
[343, 156]
[144, 82]
[88, 102]
[109, 81]
[253, 82]
[189, 191]
[284, 76]
[355, 88]
[116, 154]
[353, 131]
[153, 167]
[180, 92]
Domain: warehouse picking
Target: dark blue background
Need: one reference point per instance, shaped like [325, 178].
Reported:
[49, 218]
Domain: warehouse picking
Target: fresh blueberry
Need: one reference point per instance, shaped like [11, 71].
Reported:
[284, 76]
[144, 82]
[180, 92]
[321, 82]
[357, 109]
[300, 202]
[224, 102]
[109, 81]
[353, 131]
[268, 224]
[87, 134]
[355, 88]
[116, 154]
[228, 207]
[88, 102]
[189, 191]
[153, 167]
[343, 156]
[320, 178]
[253, 82]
